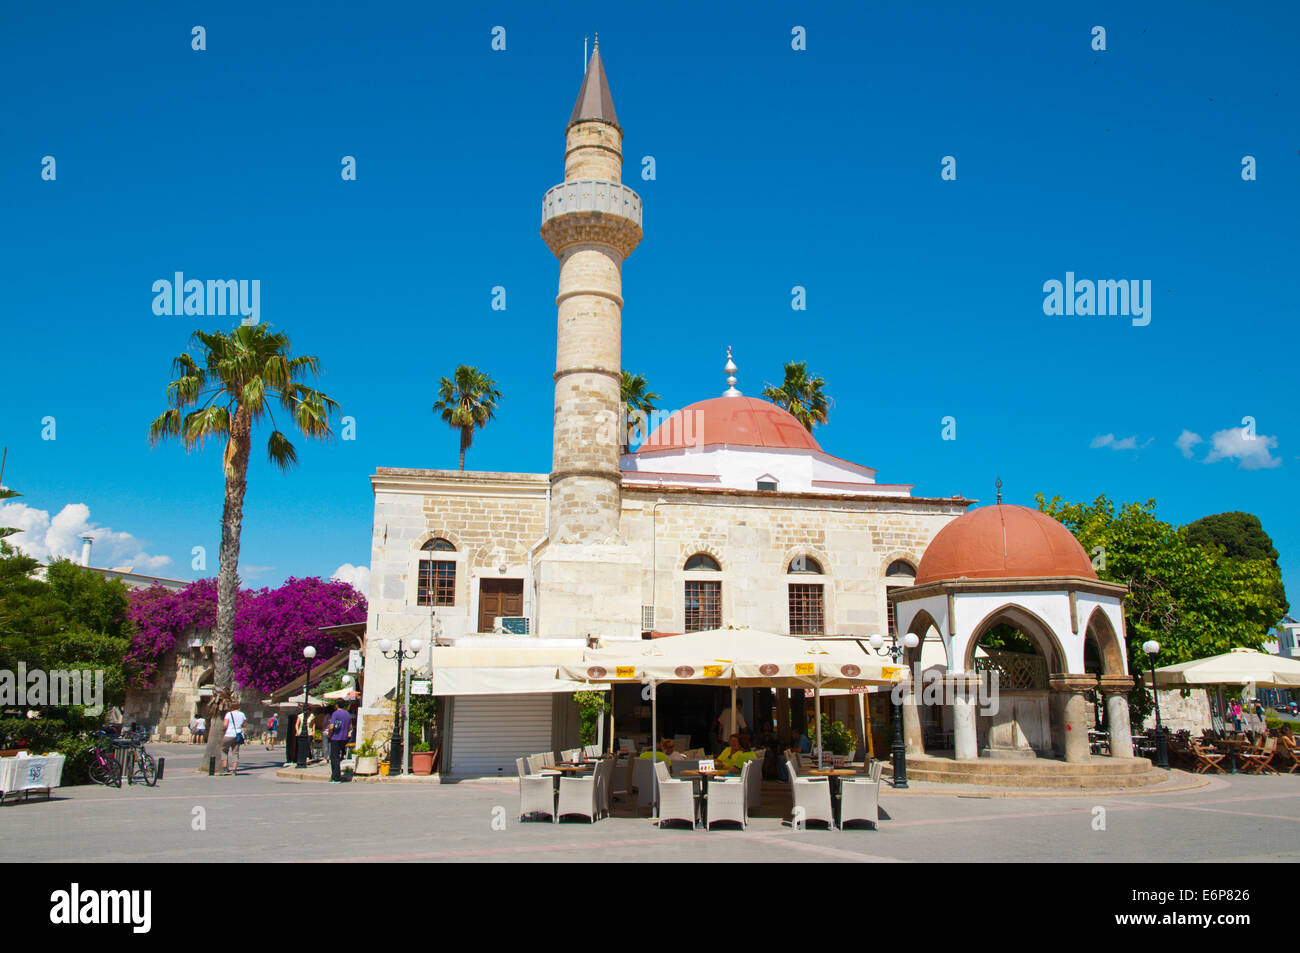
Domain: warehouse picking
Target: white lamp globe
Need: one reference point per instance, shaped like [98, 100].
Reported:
[385, 645]
[309, 652]
[1151, 647]
[417, 644]
[876, 641]
[911, 641]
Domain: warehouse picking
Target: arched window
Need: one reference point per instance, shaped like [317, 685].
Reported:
[901, 568]
[702, 561]
[436, 585]
[805, 564]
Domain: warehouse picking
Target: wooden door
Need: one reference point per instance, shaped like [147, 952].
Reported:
[498, 597]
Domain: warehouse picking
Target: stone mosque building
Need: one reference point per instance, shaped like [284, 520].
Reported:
[729, 513]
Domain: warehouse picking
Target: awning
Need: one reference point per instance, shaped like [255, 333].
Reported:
[512, 680]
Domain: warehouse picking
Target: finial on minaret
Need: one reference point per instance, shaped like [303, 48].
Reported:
[731, 377]
[998, 484]
[596, 45]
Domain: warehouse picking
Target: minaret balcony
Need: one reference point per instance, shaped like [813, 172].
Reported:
[591, 210]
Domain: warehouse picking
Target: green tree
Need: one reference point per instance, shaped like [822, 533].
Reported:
[638, 403]
[1193, 600]
[466, 400]
[237, 381]
[1239, 536]
[801, 395]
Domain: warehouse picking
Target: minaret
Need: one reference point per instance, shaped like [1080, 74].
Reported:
[591, 222]
[588, 580]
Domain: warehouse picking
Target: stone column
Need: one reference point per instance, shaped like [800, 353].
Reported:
[1075, 720]
[1116, 689]
[912, 722]
[962, 688]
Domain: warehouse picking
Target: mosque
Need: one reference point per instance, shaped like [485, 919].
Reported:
[730, 513]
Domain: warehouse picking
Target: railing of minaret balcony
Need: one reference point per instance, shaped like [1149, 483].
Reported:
[591, 195]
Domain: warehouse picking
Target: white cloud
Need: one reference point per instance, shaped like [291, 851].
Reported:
[1108, 440]
[1251, 451]
[1186, 440]
[357, 576]
[47, 538]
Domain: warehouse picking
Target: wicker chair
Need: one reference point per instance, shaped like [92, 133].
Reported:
[676, 798]
[581, 797]
[727, 800]
[537, 796]
[812, 798]
[860, 801]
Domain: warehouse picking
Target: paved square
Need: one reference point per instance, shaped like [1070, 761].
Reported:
[256, 816]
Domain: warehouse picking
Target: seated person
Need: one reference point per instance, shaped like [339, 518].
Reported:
[799, 742]
[734, 755]
[665, 752]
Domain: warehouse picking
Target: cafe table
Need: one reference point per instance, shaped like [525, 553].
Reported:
[705, 777]
[836, 776]
[1231, 747]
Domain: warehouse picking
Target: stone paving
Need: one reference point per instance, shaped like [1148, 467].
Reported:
[255, 816]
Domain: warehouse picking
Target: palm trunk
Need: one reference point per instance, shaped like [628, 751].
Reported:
[465, 433]
[232, 516]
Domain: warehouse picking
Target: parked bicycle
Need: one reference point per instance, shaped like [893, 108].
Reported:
[121, 754]
[105, 769]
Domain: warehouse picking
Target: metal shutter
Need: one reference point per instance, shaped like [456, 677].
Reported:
[490, 731]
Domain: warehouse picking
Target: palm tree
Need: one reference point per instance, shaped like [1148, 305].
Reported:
[637, 401]
[801, 395]
[241, 376]
[466, 400]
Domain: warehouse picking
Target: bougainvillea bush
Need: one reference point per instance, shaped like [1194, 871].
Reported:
[272, 626]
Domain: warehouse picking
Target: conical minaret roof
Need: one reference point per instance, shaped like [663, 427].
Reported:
[594, 100]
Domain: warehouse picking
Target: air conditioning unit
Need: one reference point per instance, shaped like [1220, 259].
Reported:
[514, 624]
[647, 618]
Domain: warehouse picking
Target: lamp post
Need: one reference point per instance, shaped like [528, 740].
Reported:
[895, 652]
[1152, 648]
[395, 745]
[304, 738]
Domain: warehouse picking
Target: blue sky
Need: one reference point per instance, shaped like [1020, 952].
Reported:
[775, 168]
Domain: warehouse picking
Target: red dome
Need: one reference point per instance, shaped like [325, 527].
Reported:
[738, 421]
[1003, 541]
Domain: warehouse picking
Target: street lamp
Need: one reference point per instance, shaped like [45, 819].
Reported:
[1152, 648]
[895, 652]
[304, 739]
[395, 745]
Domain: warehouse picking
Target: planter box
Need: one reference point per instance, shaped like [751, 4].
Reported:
[367, 766]
[422, 762]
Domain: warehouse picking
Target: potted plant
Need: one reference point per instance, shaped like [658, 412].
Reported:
[367, 760]
[421, 759]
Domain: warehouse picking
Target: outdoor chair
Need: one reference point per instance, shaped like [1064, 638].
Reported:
[522, 767]
[605, 786]
[676, 798]
[571, 754]
[876, 767]
[792, 765]
[537, 766]
[625, 745]
[860, 802]
[580, 796]
[642, 780]
[592, 751]
[727, 800]
[548, 758]
[1206, 761]
[752, 777]
[1292, 750]
[1259, 760]
[812, 799]
[681, 742]
[536, 796]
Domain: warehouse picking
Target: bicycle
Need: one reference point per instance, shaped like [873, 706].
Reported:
[104, 767]
[139, 763]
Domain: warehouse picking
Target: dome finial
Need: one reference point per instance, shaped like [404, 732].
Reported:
[730, 370]
[998, 485]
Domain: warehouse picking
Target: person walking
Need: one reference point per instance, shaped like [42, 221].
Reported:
[272, 726]
[200, 730]
[232, 739]
[340, 724]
